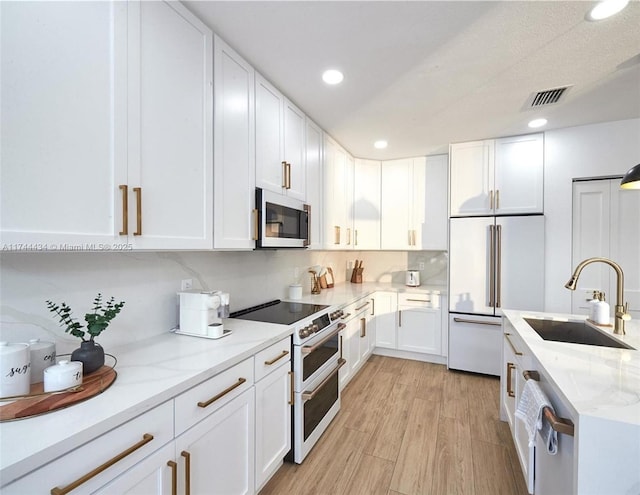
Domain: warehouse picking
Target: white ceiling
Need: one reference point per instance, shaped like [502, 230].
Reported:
[422, 74]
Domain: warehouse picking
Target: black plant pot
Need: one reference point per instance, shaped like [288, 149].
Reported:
[90, 354]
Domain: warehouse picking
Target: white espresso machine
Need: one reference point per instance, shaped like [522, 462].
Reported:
[201, 313]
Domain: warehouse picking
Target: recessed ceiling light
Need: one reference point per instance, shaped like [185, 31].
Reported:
[380, 144]
[537, 123]
[332, 76]
[606, 8]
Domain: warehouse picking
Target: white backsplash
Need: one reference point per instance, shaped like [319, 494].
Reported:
[148, 283]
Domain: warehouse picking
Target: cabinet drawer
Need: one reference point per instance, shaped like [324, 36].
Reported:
[200, 401]
[140, 436]
[419, 300]
[355, 308]
[272, 357]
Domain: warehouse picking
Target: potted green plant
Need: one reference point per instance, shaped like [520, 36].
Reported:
[90, 353]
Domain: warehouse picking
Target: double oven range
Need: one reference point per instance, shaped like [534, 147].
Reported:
[316, 358]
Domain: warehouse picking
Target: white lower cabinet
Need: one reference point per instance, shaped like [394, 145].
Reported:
[419, 324]
[216, 456]
[356, 338]
[273, 411]
[385, 308]
[409, 325]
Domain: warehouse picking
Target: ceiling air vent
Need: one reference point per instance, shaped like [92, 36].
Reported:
[548, 96]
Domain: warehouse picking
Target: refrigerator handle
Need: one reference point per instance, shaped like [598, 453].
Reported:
[492, 264]
[499, 263]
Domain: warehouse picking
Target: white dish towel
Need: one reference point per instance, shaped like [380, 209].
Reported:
[530, 410]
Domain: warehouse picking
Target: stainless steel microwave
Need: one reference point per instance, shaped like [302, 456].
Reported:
[282, 222]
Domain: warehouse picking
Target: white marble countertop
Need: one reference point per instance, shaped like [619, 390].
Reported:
[150, 372]
[347, 292]
[598, 382]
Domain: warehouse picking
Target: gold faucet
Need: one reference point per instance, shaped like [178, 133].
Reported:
[622, 309]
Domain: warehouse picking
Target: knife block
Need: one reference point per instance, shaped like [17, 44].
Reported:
[356, 275]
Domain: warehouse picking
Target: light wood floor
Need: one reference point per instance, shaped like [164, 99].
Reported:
[407, 427]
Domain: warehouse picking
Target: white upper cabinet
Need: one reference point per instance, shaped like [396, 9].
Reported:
[519, 175]
[124, 147]
[314, 157]
[497, 177]
[63, 138]
[170, 135]
[395, 204]
[280, 163]
[234, 149]
[338, 196]
[412, 214]
[366, 204]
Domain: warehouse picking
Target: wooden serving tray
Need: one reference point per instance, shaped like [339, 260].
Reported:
[39, 402]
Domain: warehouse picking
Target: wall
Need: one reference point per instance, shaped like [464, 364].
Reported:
[148, 282]
[597, 150]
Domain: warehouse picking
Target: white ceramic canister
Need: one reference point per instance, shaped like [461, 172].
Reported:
[295, 292]
[43, 355]
[65, 374]
[15, 366]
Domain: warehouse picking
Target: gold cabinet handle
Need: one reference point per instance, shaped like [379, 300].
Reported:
[413, 237]
[125, 209]
[336, 234]
[349, 237]
[254, 214]
[373, 307]
[355, 236]
[363, 306]
[138, 192]
[222, 394]
[288, 175]
[174, 477]
[284, 175]
[310, 395]
[146, 438]
[561, 425]
[491, 199]
[363, 327]
[409, 236]
[271, 361]
[187, 472]
[513, 348]
[510, 367]
[497, 199]
[340, 346]
[399, 318]
[291, 381]
[420, 300]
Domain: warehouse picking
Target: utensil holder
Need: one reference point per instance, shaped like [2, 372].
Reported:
[356, 275]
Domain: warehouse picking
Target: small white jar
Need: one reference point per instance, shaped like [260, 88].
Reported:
[65, 374]
[43, 355]
[15, 369]
[295, 292]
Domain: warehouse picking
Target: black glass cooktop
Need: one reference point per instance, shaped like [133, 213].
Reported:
[280, 312]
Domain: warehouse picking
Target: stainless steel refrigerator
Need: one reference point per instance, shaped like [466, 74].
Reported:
[495, 263]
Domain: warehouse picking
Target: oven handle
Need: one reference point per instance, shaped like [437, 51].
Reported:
[310, 395]
[308, 349]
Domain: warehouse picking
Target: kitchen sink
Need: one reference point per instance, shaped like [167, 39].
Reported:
[574, 332]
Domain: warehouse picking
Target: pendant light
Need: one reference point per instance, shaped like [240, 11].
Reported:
[631, 179]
